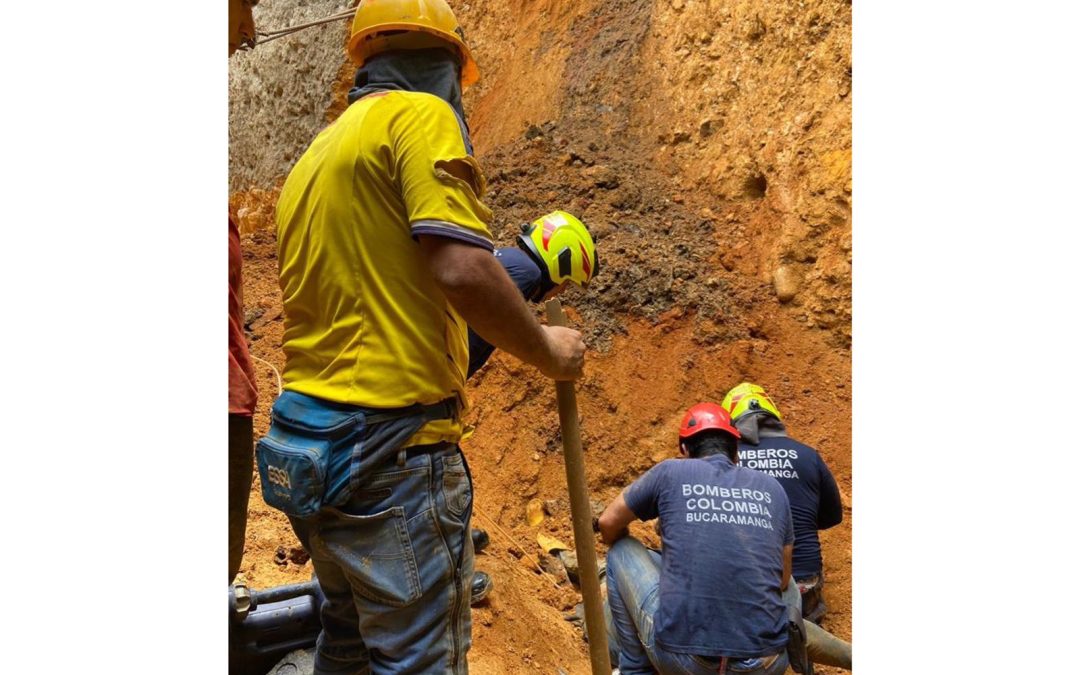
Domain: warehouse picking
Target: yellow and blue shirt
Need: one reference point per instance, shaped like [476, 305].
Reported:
[365, 322]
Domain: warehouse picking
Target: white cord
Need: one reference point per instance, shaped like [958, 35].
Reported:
[276, 373]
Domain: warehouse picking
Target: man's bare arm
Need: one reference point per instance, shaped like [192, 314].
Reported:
[481, 291]
[615, 519]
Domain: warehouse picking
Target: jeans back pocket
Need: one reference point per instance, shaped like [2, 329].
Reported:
[457, 491]
[375, 553]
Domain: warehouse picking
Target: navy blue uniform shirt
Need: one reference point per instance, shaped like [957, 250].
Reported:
[811, 489]
[528, 279]
[724, 529]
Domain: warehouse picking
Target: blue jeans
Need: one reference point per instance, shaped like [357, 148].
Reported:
[395, 563]
[633, 587]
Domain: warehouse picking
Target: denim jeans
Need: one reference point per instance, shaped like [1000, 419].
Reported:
[640, 576]
[812, 591]
[633, 587]
[395, 563]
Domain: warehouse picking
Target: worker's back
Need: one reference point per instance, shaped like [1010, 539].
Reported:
[724, 528]
[811, 490]
[365, 322]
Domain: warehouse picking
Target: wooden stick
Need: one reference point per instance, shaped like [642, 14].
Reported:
[581, 513]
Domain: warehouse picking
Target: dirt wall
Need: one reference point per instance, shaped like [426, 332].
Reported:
[708, 147]
[740, 111]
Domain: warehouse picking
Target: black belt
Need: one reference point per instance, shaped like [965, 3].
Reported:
[444, 409]
[428, 449]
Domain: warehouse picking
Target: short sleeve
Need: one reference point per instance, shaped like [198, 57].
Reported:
[441, 183]
[643, 494]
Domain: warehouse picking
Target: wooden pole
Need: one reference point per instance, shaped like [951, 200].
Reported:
[581, 513]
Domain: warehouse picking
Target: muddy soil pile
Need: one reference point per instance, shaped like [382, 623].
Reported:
[707, 145]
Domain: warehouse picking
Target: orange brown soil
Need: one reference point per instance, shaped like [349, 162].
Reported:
[708, 147]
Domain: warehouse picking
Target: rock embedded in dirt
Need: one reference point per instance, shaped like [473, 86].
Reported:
[551, 565]
[570, 564]
[597, 507]
[534, 512]
[251, 315]
[602, 176]
[298, 556]
[553, 506]
[786, 283]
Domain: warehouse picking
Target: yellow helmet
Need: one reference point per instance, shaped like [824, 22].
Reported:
[562, 246]
[749, 399]
[385, 25]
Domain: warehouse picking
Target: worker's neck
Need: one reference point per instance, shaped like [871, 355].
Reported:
[433, 71]
[753, 428]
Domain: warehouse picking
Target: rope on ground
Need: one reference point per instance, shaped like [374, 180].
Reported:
[268, 35]
[276, 373]
[554, 581]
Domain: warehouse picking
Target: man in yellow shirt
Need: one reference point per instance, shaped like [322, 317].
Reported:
[385, 262]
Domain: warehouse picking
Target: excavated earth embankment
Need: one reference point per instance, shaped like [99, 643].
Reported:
[708, 147]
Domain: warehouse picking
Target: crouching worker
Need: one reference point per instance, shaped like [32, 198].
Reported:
[717, 598]
[815, 500]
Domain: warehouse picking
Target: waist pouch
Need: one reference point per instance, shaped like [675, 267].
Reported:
[796, 646]
[317, 452]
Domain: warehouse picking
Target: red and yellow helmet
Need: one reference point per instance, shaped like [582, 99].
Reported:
[749, 399]
[562, 246]
[386, 25]
[706, 417]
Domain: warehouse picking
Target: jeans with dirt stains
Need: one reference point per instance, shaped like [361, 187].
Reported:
[633, 588]
[396, 563]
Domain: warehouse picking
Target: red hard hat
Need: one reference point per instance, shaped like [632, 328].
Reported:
[703, 417]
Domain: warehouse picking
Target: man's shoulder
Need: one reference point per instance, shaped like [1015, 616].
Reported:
[799, 444]
[659, 471]
[420, 101]
[517, 262]
[389, 104]
[788, 443]
[511, 255]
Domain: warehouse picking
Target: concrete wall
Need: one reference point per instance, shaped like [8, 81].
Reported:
[279, 93]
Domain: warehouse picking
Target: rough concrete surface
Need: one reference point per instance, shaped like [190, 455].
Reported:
[280, 91]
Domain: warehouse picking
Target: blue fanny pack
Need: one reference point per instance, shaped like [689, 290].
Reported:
[317, 452]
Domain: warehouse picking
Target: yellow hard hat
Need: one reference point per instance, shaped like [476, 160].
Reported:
[746, 399]
[562, 246]
[385, 25]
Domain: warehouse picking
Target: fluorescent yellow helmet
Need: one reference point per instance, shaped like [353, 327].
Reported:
[562, 246]
[386, 25]
[749, 399]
